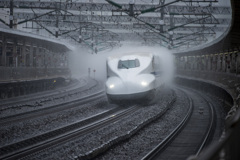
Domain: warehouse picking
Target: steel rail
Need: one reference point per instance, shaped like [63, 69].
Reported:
[206, 136]
[49, 110]
[161, 146]
[211, 126]
[73, 134]
[38, 95]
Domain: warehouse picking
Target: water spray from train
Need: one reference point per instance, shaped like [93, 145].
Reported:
[83, 63]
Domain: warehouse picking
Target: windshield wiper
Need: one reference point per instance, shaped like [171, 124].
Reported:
[124, 66]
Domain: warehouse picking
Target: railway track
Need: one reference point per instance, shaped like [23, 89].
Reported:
[25, 98]
[198, 116]
[49, 110]
[23, 104]
[62, 135]
[95, 129]
[190, 136]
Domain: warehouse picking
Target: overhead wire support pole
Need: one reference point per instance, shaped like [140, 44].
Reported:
[58, 8]
[162, 15]
[131, 5]
[11, 14]
[153, 28]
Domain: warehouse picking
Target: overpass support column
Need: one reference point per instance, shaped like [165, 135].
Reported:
[27, 55]
[187, 63]
[14, 53]
[34, 60]
[177, 62]
[191, 63]
[66, 62]
[194, 63]
[219, 63]
[224, 63]
[46, 58]
[38, 57]
[31, 55]
[215, 60]
[51, 59]
[232, 63]
[210, 60]
[228, 63]
[24, 54]
[207, 62]
[237, 62]
[204, 63]
[4, 47]
[198, 63]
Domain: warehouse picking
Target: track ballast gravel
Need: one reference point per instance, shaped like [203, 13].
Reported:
[94, 143]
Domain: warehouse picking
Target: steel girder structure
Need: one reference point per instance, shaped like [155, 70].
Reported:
[208, 20]
[54, 21]
[188, 20]
[188, 17]
[87, 6]
[117, 22]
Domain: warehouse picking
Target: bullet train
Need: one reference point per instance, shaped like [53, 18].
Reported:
[133, 76]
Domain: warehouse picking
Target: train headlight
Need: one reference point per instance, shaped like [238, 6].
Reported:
[143, 83]
[111, 86]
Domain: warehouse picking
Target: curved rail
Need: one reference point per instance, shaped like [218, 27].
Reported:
[171, 136]
[210, 129]
[206, 136]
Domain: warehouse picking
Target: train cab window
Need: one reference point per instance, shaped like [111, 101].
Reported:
[126, 64]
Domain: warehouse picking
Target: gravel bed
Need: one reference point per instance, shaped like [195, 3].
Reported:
[145, 140]
[91, 144]
[26, 129]
[44, 101]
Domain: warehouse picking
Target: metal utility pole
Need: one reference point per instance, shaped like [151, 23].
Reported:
[161, 2]
[171, 32]
[58, 7]
[131, 11]
[11, 14]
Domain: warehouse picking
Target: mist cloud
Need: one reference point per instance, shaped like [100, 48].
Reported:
[80, 60]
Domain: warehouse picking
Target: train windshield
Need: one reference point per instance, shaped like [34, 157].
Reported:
[126, 64]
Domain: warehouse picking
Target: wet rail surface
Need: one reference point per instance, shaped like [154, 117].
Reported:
[197, 120]
[49, 110]
[74, 86]
[39, 112]
[18, 106]
[36, 145]
[59, 136]
[191, 135]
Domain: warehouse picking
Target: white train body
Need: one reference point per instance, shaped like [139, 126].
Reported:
[133, 76]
